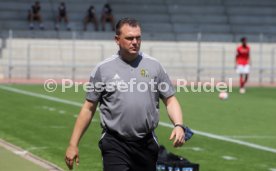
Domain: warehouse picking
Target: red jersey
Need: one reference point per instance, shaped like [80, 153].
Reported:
[242, 57]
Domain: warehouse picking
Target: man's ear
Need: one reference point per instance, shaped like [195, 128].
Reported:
[116, 38]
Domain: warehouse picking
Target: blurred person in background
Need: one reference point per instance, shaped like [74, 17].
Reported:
[34, 15]
[91, 17]
[242, 63]
[62, 15]
[107, 16]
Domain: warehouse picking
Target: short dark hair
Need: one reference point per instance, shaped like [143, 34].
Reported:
[243, 39]
[130, 21]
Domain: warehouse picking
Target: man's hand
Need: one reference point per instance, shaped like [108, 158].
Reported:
[72, 155]
[178, 135]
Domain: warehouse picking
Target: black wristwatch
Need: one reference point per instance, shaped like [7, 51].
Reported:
[188, 132]
[182, 126]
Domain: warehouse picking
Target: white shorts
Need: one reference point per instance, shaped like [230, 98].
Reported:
[243, 69]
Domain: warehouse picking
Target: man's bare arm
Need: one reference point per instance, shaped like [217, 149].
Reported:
[175, 115]
[85, 116]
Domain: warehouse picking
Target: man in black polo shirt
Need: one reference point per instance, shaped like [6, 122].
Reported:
[107, 16]
[34, 15]
[91, 17]
[62, 15]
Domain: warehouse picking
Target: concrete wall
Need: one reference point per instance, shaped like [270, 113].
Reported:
[40, 58]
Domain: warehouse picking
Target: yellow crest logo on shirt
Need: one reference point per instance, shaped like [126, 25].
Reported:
[144, 73]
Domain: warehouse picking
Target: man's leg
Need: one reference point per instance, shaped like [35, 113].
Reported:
[95, 21]
[112, 22]
[144, 155]
[66, 21]
[58, 22]
[103, 22]
[85, 22]
[31, 18]
[111, 162]
[39, 19]
[242, 82]
[245, 79]
[246, 73]
[114, 152]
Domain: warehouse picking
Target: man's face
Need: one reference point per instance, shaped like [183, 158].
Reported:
[129, 40]
[244, 42]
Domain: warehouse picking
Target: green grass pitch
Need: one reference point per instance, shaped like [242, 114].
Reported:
[44, 127]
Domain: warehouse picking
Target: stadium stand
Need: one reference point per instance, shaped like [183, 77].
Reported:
[172, 25]
[218, 20]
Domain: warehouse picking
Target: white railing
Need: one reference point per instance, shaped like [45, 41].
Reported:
[195, 61]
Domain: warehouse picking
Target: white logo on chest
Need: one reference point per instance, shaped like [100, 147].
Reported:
[116, 77]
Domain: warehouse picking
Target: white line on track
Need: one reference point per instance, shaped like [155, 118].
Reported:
[61, 112]
[42, 96]
[251, 136]
[29, 156]
[36, 148]
[229, 158]
[205, 134]
[218, 137]
[192, 148]
[20, 153]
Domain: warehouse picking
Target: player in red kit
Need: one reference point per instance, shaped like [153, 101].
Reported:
[242, 63]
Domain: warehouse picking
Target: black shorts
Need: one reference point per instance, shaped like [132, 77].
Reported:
[121, 155]
[62, 14]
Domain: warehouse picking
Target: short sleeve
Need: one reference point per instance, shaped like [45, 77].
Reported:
[95, 86]
[165, 86]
